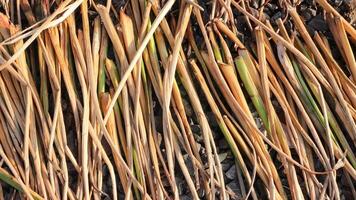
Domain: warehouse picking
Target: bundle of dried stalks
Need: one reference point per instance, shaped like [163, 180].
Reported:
[82, 84]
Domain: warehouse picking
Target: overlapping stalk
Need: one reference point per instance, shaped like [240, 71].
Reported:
[97, 101]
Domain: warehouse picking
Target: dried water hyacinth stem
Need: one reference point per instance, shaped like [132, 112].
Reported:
[282, 100]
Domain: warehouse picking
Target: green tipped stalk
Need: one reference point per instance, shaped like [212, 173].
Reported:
[102, 57]
[252, 90]
[7, 178]
[308, 96]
